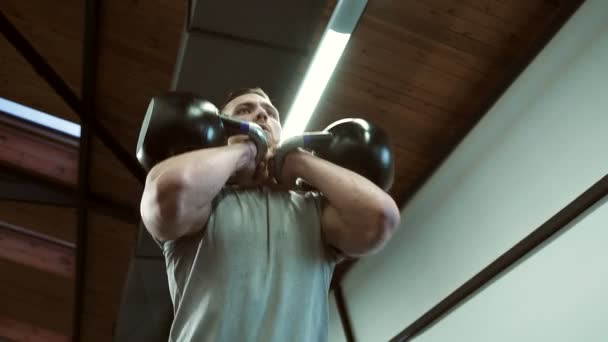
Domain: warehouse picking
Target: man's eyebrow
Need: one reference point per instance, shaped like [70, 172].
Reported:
[245, 104]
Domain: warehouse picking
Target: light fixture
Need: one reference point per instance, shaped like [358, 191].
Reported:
[333, 42]
[40, 118]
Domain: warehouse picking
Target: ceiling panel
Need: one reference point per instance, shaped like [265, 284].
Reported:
[58, 38]
[425, 71]
[40, 298]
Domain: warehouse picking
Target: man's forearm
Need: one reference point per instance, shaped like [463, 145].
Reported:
[358, 201]
[186, 182]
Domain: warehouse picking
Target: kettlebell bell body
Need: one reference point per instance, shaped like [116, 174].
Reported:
[361, 147]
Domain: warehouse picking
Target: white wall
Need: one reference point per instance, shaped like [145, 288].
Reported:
[542, 144]
[336, 332]
[557, 294]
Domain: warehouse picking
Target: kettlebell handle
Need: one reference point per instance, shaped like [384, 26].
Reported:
[352, 143]
[254, 131]
[309, 140]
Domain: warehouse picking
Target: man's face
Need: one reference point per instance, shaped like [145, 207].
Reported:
[257, 109]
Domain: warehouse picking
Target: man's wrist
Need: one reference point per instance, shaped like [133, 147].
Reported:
[248, 153]
[295, 163]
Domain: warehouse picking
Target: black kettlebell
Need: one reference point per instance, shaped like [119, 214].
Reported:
[352, 143]
[179, 122]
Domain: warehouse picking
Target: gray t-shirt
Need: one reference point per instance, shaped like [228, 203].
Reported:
[259, 271]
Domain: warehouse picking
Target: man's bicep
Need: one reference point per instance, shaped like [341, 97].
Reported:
[200, 222]
[336, 234]
[163, 231]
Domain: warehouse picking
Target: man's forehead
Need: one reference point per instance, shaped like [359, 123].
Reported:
[251, 97]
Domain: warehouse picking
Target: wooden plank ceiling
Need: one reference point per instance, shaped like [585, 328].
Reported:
[424, 70]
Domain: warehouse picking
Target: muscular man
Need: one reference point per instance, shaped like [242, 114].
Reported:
[248, 260]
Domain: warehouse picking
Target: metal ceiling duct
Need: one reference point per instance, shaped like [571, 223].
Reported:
[234, 43]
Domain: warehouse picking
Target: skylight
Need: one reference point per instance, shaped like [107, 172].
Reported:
[40, 118]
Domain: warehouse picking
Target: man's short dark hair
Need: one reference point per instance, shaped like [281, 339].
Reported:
[243, 91]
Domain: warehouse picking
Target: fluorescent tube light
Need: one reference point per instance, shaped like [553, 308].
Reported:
[40, 118]
[322, 67]
[334, 40]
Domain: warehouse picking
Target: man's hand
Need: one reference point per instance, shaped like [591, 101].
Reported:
[289, 172]
[247, 170]
[251, 175]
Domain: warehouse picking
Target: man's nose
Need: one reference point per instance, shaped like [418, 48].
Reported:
[261, 115]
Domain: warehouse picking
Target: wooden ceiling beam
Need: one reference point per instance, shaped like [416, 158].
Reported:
[42, 155]
[22, 331]
[36, 250]
[65, 92]
[39, 165]
[24, 187]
